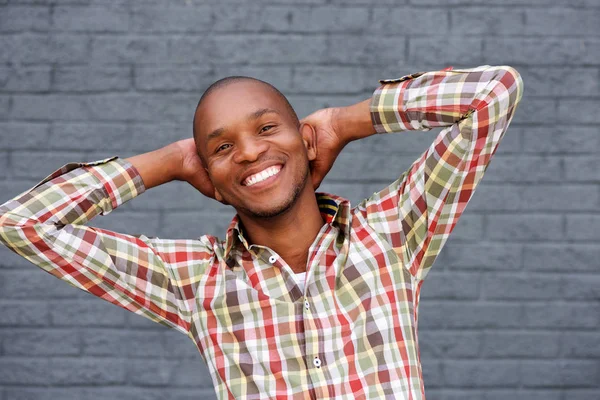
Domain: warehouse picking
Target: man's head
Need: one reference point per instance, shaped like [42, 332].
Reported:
[252, 145]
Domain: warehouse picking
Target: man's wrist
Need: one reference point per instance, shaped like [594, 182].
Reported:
[354, 122]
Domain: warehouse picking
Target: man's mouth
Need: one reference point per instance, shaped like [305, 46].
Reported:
[262, 175]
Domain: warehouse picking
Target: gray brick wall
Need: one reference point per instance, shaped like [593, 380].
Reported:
[511, 310]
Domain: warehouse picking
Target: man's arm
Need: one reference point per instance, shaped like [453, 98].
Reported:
[153, 277]
[475, 106]
[418, 211]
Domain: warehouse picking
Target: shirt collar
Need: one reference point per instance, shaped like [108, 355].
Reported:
[335, 211]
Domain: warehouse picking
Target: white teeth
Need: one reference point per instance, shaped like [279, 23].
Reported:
[262, 175]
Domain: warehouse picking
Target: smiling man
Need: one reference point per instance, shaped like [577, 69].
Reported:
[306, 297]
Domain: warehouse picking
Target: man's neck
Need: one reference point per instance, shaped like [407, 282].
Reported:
[289, 234]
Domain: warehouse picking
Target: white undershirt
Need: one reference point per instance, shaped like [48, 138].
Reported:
[301, 279]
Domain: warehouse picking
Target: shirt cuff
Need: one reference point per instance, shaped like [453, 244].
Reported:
[120, 179]
[386, 104]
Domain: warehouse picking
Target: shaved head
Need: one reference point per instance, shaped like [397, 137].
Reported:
[224, 82]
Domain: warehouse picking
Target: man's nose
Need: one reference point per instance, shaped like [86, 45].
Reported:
[250, 149]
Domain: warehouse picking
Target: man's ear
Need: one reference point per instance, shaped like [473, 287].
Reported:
[309, 137]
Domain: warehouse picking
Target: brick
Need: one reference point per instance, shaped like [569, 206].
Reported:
[581, 345]
[536, 111]
[86, 313]
[187, 17]
[5, 104]
[290, 19]
[23, 313]
[146, 136]
[583, 226]
[85, 79]
[23, 135]
[396, 19]
[364, 166]
[445, 51]
[89, 136]
[49, 107]
[86, 371]
[480, 256]
[278, 76]
[561, 258]
[28, 18]
[556, 316]
[437, 345]
[119, 343]
[553, 81]
[190, 50]
[582, 111]
[43, 49]
[544, 197]
[582, 169]
[327, 80]
[17, 371]
[562, 21]
[524, 168]
[40, 343]
[192, 225]
[45, 393]
[581, 394]
[556, 51]
[520, 345]
[560, 373]
[454, 286]
[581, 287]
[194, 80]
[91, 18]
[148, 107]
[367, 49]
[485, 21]
[25, 79]
[468, 229]
[191, 373]
[469, 315]
[517, 287]
[38, 165]
[34, 283]
[432, 373]
[501, 394]
[478, 373]
[157, 373]
[178, 346]
[561, 139]
[128, 49]
[524, 227]
[230, 49]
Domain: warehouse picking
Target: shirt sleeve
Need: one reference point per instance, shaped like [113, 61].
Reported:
[419, 210]
[152, 277]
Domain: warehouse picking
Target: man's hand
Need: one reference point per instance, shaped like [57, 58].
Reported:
[329, 143]
[192, 170]
[335, 128]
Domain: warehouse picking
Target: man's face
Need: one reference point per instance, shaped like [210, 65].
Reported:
[255, 155]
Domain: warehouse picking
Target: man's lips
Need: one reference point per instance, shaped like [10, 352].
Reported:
[262, 175]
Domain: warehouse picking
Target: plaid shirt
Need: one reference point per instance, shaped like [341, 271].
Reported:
[352, 333]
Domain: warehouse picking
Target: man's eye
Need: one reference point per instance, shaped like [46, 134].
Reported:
[223, 147]
[266, 128]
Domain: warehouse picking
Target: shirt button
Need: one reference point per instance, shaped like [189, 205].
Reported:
[306, 305]
[317, 362]
[272, 259]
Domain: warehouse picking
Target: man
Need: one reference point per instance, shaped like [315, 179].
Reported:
[305, 297]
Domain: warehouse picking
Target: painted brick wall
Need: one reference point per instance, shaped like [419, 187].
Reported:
[511, 310]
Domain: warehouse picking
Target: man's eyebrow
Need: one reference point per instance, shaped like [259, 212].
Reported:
[255, 115]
